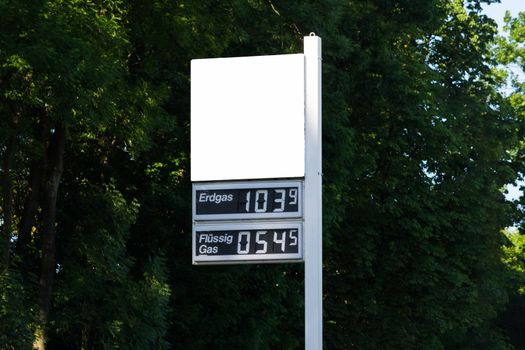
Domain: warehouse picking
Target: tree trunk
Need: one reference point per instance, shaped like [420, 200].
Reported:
[7, 202]
[30, 207]
[49, 200]
[36, 178]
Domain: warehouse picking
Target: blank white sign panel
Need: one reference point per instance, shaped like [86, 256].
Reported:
[247, 118]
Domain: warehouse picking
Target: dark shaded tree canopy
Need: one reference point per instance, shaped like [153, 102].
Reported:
[418, 144]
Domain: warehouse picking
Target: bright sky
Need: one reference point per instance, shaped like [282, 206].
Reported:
[497, 11]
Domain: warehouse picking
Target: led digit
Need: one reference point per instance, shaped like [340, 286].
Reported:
[261, 205]
[281, 241]
[293, 237]
[242, 242]
[262, 242]
[248, 195]
[279, 201]
[293, 196]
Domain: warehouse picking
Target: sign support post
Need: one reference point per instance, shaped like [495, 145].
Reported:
[313, 260]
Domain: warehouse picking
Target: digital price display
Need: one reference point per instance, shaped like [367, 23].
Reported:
[247, 200]
[268, 242]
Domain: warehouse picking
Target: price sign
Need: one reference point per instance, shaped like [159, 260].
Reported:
[248, 242]
[247, 200]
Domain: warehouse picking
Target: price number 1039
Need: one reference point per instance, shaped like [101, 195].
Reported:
[273, 200]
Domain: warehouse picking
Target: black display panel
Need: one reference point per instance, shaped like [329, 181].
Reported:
[247, 200]
[251, 242]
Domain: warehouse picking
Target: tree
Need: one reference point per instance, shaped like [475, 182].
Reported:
[415, 234]
[511, 319]
[64, 84]
[418, 144]
[509, 51]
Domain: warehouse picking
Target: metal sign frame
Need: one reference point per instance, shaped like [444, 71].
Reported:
[217, 170]
[234, 185]
[247, 258]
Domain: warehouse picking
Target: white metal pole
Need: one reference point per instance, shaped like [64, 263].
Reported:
[313, 225]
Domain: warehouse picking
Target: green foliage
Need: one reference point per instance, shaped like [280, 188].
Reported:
[510, 52]
[17, 324]
[99, 303]
[418, 143]
[511, 319]
[515, 260]
[64, 65]
[415, 254]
